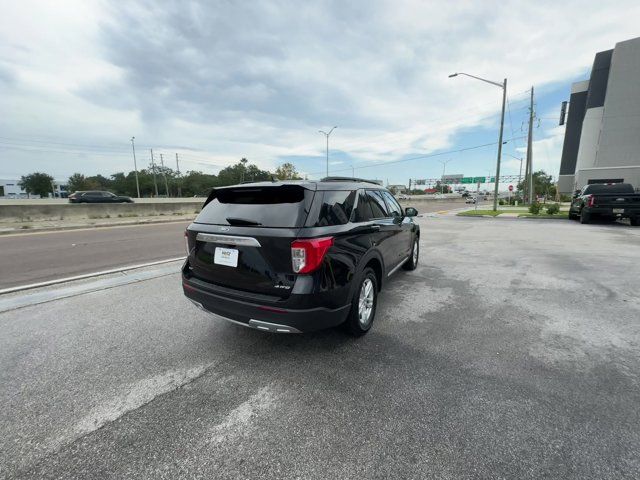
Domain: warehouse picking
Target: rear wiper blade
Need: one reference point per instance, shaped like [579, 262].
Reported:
[241, 221]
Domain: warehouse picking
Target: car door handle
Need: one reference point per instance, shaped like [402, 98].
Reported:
[375, 228]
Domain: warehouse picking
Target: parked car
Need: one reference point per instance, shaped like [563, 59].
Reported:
[403, 196]
[606, 201]
[98, 196]
[298, 256]
[470, 200]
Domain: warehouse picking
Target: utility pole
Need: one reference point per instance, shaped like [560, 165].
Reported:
[135, 165]
[179, 179]
[164, 175]
[528, 174]
[153, 168]
[496, 189]
[327, 137]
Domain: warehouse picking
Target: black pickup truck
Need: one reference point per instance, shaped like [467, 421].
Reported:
[606, 201]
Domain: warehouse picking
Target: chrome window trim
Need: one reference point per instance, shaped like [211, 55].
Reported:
[228, 240]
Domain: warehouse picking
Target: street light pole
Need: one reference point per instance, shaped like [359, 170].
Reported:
[135, 165]
[502, 85]
[327, 137]
[444, 166]
[521, 159]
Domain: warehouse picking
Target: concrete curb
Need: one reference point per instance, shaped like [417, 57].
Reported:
[22, 231]
[83, 276]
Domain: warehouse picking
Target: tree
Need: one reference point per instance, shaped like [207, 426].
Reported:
[443, 187]
[542, 183]
[287, 171]
[242, 171]
[77, 182]
[37, 183]
[196, 183]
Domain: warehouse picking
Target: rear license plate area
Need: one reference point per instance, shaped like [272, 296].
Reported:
[226, 256]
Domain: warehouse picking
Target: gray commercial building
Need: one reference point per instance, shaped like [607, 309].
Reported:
[602, 136]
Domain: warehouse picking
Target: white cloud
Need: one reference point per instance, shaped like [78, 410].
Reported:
[219, 82]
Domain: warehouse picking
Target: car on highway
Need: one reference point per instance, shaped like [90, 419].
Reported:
[606, 201]
[470, 200]
[403, 196]
[298, 256]
[98, 196]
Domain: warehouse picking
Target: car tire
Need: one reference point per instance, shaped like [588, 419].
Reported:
[635, 221]
[585, 217]
[572, 216]
[364, 303]
[412, 261]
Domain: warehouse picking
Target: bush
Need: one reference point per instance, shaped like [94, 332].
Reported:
[534, 208]
[501, 202]
[553, 209]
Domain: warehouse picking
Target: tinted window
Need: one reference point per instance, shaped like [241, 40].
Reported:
[335, 208]
[284, 206]
[378, 207]
[615, 188]
[394, 207]
[363, 210]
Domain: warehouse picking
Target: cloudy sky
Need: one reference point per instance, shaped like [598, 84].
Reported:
[215, 81]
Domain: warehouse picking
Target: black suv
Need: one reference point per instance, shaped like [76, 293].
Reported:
[298, 256]
[97, 196]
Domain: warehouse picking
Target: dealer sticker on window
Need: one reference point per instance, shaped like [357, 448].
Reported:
[226, 256]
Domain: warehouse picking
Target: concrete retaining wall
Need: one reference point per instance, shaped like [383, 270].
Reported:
[61, 211]
[31, 212]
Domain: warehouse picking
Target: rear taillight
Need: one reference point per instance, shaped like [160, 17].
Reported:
[307, 254]
[591, 202]
[186, 242]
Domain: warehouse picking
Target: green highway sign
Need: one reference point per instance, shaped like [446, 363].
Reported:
[478, 180]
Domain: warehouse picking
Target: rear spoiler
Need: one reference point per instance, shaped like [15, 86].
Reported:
[249, 186]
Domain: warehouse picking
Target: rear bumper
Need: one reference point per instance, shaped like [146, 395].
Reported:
[264, 317]
[609, 211]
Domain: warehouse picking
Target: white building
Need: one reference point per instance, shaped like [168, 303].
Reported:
[602, 137]
[9, 188]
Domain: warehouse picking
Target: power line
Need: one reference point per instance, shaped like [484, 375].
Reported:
[420, 157]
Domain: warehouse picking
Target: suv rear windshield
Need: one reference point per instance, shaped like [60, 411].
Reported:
[284, 206]
[612, 188]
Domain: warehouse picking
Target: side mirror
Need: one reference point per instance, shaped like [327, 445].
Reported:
[410, 212]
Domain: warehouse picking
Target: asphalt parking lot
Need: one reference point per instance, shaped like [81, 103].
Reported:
[513, 351]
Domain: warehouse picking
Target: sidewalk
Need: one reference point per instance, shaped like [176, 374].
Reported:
[71, 224]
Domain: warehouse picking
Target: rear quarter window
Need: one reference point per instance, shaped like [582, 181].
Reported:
[335, 208]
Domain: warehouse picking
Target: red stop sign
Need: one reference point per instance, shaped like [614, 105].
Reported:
[511, 188]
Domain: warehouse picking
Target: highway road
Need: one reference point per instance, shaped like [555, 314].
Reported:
[27, 258]
[492, 359]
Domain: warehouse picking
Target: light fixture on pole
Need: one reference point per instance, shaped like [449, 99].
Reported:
[503, 86]
[135, 165]
[327, 137]
[521, 159]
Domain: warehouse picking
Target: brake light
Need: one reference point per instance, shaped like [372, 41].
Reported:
[591, 201]
[307, 254]
[186, 242]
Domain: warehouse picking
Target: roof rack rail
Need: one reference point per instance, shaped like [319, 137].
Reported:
[350, 179]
